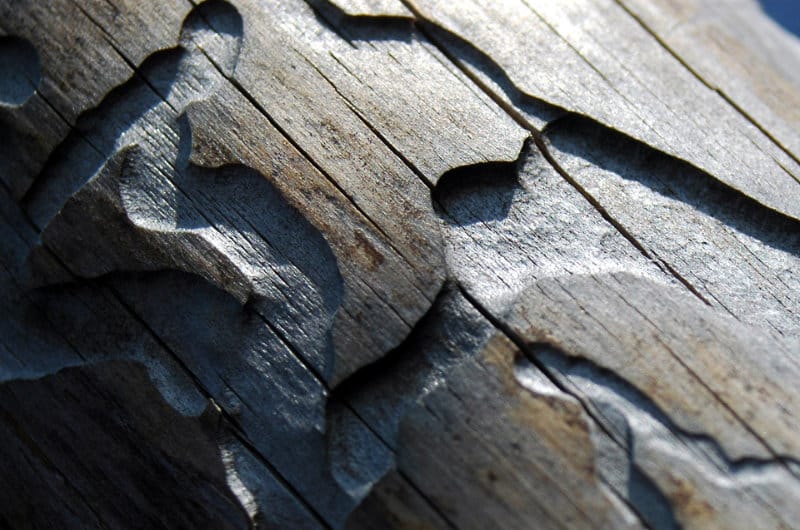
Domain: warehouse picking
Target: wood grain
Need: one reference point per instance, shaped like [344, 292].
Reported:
[387, 264]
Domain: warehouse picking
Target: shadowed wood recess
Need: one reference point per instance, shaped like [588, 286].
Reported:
[399, 264]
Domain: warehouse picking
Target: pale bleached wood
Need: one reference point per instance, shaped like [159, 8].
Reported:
[736, 49]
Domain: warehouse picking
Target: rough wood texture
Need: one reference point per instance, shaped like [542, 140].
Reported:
[394, 264]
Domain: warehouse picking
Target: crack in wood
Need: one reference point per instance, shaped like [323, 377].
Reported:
[257, 332]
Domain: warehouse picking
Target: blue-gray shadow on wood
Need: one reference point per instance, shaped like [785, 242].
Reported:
[20, 71]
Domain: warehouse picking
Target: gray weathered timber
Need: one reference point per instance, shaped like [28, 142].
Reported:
[594, 59]
[737, 52]
[394, 264]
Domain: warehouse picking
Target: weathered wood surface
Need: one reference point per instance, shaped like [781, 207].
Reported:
[398, 264]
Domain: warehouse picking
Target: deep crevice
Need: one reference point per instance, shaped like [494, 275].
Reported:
[459, 51]
[673, 178]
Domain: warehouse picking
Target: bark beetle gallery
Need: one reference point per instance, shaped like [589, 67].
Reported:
[399, 264]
